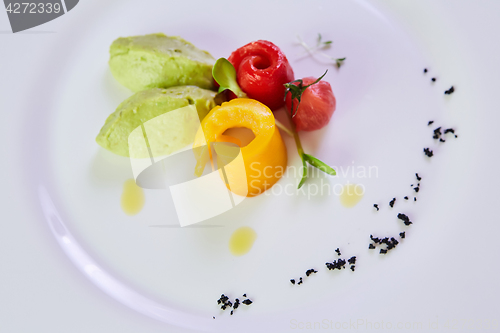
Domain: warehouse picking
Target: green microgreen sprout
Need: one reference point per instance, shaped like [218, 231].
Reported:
[320, 45]
[225, 75]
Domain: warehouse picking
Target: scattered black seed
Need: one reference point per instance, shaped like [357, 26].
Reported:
[292, 281]
[391, 203]
[338, 251]
[376, 206]
[311, 271]
[441, 139]
[375, 239]
[416, 189]
[406, 198]
[226, 303]
[404, 218]
[247, 302]
[450, 91]
[449, 130]
[371, 246]
[224, 300]
[244, 295]
[437, 133]
[383, 251]
[214, 317]
[428, 152]
[352, 268]
[352, 260]
[392, 243]
[433, 79]
[300, 281]
[425, 70]
[336, 264]
[418, 177]
[430, 123]
[402, 234]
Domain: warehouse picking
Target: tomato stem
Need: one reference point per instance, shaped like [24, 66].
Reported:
[307, 158]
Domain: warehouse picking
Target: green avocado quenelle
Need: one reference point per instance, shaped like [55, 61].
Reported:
[159, 61]
[148, 104]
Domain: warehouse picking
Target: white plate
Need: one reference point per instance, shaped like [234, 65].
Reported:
[384, 102]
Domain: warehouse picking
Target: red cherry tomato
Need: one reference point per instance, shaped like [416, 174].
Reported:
[261, 71]
[316, 105]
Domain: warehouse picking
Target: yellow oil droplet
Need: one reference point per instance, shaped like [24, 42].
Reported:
[242, 240]
[132, 199]
[351, 195]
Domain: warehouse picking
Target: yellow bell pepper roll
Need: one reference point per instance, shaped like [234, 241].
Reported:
[264, 158]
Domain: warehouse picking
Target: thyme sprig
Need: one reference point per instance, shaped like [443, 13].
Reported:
[320, 45]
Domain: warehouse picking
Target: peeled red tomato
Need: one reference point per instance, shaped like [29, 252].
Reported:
[316, 106]
[262, 69]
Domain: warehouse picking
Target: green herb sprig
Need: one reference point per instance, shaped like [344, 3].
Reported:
[306, 158]
[320, 45]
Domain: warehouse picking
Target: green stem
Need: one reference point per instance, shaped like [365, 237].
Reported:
[283, 127]
[296, 136]
[300, 150]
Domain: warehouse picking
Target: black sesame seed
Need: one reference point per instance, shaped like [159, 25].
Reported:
[441, 139]
[450, 91]
[352, 260]
[336, 264]
[404, 218]
[391, 203]
[402, 234]
[449, 130]
[376, 206]
[371, 246]
[375, 239]
[352, 268]
[433, 79]
[430, 123]
[247, 302]
[338, 251]
[244, 295]
[406, 198]
[437, 133]
[292, 281]
[232, 312]
[418, 177]
[416, 189]
[428, 152]
[414, 198]
[311, 271]
[425, 70]
[383, 251]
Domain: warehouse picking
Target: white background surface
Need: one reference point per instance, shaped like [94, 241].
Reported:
[41, 291]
